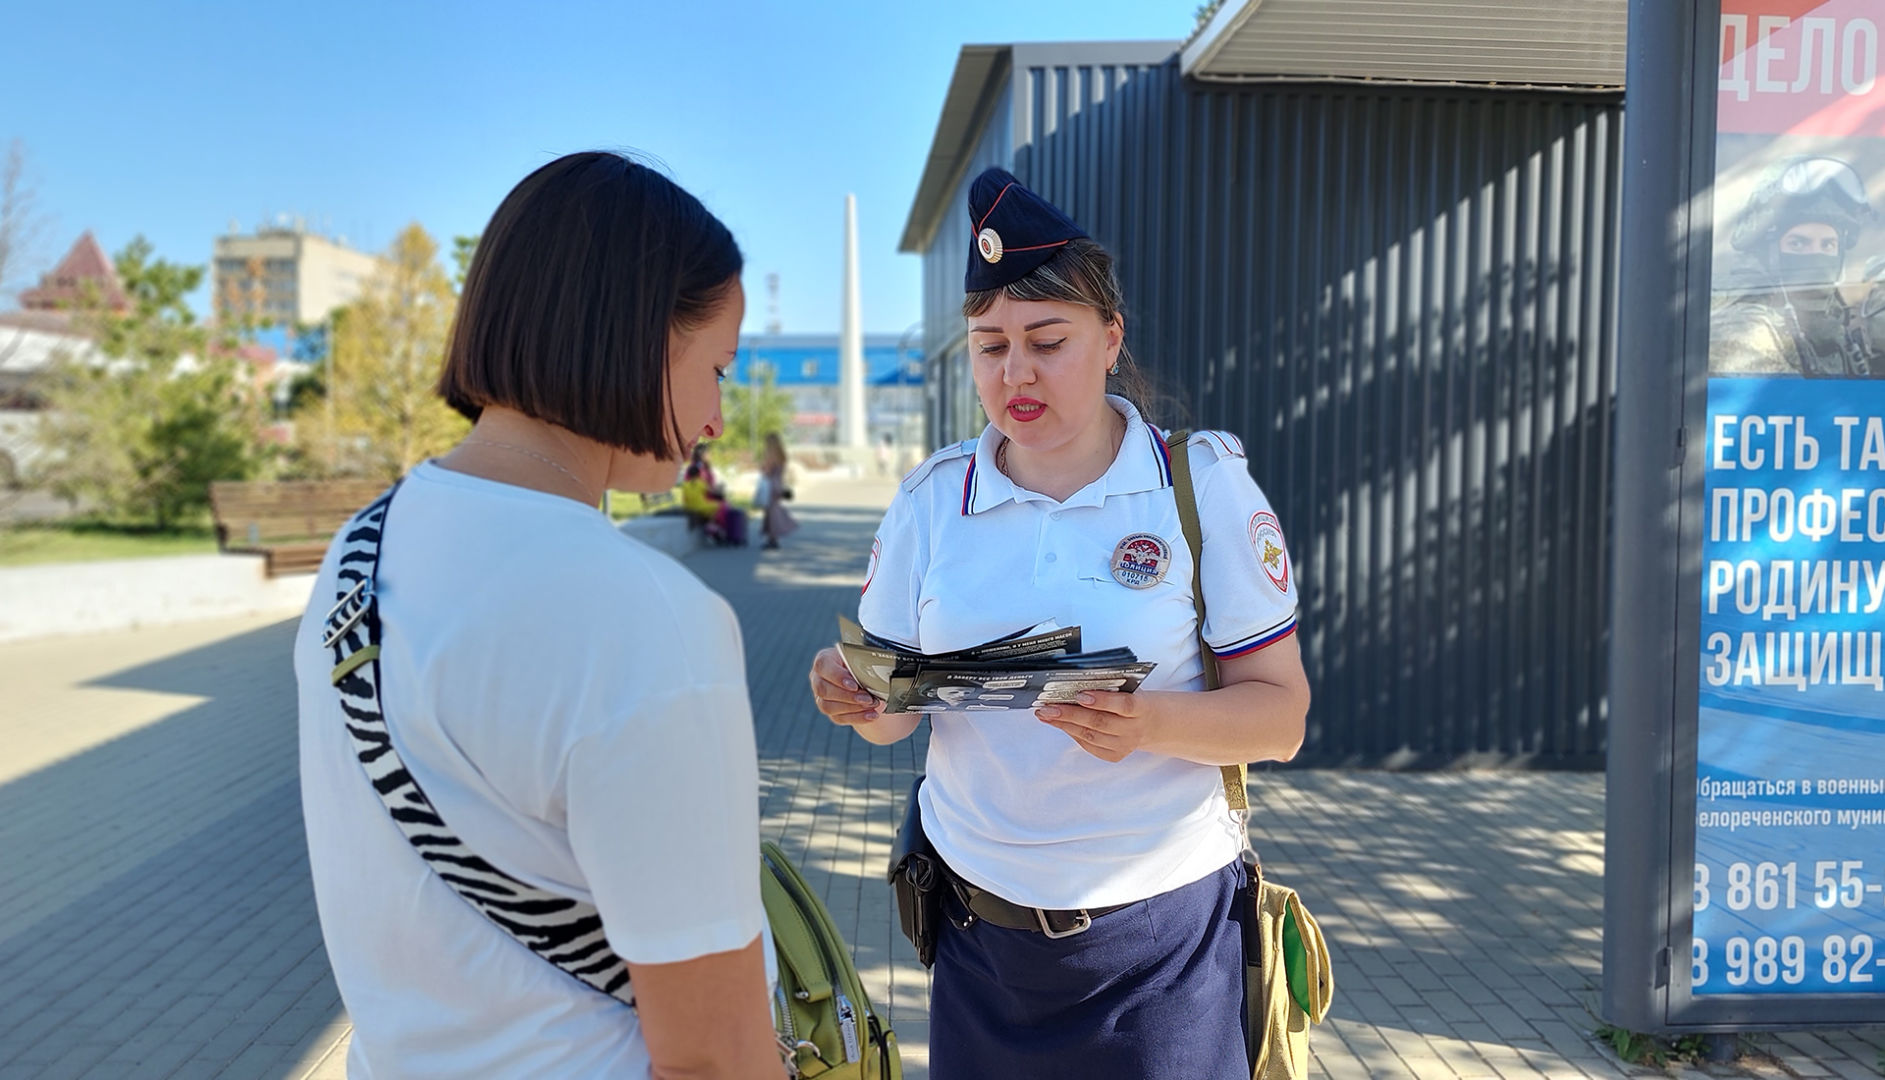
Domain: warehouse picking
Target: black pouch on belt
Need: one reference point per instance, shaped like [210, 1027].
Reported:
[917, 876]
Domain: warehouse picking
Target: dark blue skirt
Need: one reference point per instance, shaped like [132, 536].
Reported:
[1151, 990]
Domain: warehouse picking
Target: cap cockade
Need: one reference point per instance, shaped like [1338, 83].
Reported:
[1013, 231]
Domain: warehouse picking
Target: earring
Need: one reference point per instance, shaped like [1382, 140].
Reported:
[1114, 370]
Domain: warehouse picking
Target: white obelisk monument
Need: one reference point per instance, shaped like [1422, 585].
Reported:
[853, 431]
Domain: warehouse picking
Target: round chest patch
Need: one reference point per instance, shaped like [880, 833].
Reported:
[988, 242]
[1140, 560]
[1266, 538]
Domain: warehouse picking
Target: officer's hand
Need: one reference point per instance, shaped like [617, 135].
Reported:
[837, 693]
[1107, 725]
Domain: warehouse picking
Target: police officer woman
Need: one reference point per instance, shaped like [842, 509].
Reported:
[1093, 928]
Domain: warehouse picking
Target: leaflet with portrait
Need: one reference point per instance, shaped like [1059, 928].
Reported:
[1038, 666]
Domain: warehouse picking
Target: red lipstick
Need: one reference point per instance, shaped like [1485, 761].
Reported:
[1026, 410]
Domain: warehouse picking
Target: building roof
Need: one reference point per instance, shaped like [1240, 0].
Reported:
[1510, 44]
[48, 322]
[982, 73]
[1513, 44]
[85, 272]
[814, 341]
[972, 90]
[812, 359]
[26, 350]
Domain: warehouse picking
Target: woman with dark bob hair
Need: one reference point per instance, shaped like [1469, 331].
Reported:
[527, 759]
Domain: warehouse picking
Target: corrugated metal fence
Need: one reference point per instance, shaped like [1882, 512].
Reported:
[1402, 300]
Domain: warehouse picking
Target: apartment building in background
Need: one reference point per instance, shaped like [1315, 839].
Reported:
[285, 276]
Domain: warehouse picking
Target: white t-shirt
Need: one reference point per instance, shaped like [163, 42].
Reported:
[965, 556]
[574, 703]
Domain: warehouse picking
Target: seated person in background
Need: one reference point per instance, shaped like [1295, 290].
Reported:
[705, 500]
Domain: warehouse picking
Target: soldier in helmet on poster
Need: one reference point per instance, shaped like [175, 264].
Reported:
[1778, 306]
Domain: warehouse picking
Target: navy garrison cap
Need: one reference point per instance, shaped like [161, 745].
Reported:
[1014, 231]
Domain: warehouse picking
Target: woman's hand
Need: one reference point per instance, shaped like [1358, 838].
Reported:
[1257, 715]
[844, 702]
[1106, 724]
[837, 693]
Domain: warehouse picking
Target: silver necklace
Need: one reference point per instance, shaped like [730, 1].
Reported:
[529, 453]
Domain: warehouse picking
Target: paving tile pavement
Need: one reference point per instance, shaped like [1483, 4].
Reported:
[156, 918]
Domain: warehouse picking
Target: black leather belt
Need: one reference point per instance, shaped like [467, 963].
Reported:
[995, 911]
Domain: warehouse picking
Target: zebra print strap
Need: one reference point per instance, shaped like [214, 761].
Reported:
[564, 931]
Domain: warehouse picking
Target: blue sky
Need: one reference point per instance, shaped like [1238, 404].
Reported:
[174, 120]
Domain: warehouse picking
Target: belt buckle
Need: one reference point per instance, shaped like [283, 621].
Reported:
[1081, 923]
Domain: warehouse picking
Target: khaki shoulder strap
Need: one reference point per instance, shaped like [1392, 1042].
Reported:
[1187, 499]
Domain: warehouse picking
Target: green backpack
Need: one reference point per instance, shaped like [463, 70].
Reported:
[824, 1017]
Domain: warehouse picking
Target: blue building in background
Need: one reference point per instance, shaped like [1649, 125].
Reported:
[806, 367]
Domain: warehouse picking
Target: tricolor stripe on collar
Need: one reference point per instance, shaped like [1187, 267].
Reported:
[1160, 466]
[1163, 453]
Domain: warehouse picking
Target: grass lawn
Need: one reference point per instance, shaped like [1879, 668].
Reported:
[627, 504]
[36, 544]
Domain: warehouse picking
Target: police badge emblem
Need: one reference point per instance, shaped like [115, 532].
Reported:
[1140, 560]
[988, 242]
[1266, 537]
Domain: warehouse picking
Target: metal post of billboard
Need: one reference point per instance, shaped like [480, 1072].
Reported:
[1744, 868]
[1651, 288]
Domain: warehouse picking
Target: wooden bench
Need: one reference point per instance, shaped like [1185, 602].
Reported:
[290, 523]
[668, 504]
[661, 502]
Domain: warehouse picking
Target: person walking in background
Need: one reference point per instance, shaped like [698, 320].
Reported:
[775, 520]
[557, 709]
[1094, 888]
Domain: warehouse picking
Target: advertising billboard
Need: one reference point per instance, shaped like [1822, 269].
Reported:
[1789, 878]
[1745, 811]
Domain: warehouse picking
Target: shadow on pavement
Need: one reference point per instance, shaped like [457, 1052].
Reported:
[1461, 907]
[156, 917]
[158, 904]
[830, 798]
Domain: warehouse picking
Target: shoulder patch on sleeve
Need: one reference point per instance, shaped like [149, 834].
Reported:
[914, 480]
[1218, 444]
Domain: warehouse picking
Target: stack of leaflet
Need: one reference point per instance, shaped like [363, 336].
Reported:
[1041, 666]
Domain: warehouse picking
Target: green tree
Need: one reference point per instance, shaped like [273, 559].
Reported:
[144, 422]
[386, 351]
[751, 411]
[463, 248]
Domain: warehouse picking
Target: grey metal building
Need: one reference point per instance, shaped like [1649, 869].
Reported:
[1376, 239]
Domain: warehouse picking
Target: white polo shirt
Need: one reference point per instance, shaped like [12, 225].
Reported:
[964, 555]
[574, 704]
